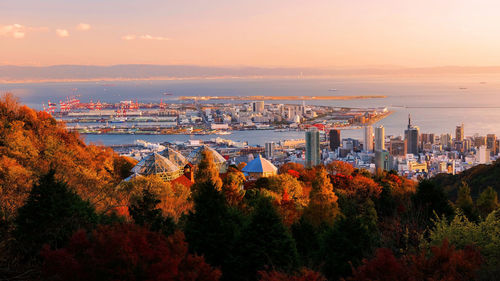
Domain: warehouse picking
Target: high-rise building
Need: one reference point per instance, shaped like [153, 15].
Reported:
[334, 139]
[313, 156]
[382, 160]
[258, 106]
[445, 140]
[459, 133]
[479, 141]
[397, 147]
[491, 143]
[411, 138]
[483, 155]
[368, 142]
[269, 150]
[379, 138]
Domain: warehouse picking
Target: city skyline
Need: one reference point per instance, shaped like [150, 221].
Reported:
[252, 33]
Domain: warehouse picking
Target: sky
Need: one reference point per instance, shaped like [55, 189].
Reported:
[289, 33]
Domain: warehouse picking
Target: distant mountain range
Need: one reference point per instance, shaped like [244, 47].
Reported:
[9, 73]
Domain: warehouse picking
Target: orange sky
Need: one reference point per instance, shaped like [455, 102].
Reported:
[253, 33]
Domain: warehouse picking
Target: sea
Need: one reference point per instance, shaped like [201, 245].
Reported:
[437, 103]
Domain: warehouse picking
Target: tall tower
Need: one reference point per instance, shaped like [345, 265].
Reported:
[459, 133]
[313, 156]
[334, 139]
[379, 138]
[368, 141]
[411, 137]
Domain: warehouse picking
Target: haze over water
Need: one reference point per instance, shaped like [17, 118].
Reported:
[436, 104]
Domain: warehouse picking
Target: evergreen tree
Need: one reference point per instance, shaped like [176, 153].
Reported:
[464, 201]
[51, 215]
[145, 213]
[487, 201]
[265, 241]
[212, 227]
[430, 199]
[353, 237]
[306, 238]
[322, 208]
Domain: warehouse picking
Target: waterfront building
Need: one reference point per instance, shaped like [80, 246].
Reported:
[411, 138]
[334, 139]
[258, 168]
[313, 156]
[380, 138]
[258, 106]
[368, 140]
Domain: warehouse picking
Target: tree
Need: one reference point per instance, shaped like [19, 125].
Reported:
[207, 171]
[264, 241]
[51, 215]
[307, 240]
[278, 184]
[145, 213]
[303, 275]
[233, 187]
[126, 252]
[212, 227]
[354, 236]
[487, 201]
[340, 167]
[464, 201]
[461, 232]
[442, 263]
[430, 199]
[322, 208]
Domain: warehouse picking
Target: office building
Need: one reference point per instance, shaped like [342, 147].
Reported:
[411, 138]
[483, 155]
[368, 141]
[382, 160]
[379, 138]
[491, 143]
[397, 147]
[269, 150]
[459, 133]
[258, 106]
[334, 139]
[313, 156]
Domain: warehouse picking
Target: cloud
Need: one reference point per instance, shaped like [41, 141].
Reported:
[83, 26]
[62, 32]
[15, 31]
[144, 37]
[128, 37]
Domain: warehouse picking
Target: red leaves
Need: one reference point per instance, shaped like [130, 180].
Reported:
[304, 275]
[444, 263]
[126, 252]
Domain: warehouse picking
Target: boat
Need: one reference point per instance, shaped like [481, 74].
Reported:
[332, 90]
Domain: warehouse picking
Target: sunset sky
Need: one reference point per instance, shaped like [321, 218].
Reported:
[312, 33]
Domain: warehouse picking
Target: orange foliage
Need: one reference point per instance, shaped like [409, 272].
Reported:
[361, 187]
[32, 142]
[340, 167]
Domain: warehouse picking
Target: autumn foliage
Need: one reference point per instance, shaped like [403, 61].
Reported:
[125, 252]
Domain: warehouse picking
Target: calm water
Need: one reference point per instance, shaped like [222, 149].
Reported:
[437, 104]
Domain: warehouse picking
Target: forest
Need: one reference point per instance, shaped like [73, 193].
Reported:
[67, 214]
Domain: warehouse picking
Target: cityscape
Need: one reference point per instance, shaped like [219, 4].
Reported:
[249, 140]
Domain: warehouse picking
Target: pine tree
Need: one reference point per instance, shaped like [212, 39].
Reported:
[51, 215]
[487, 201]
[464, 201]
[145, 213]
[430, 199]
[322, 208]
[265, 241]
[212, 227]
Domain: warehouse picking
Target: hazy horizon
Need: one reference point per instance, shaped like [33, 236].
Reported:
[258, 33]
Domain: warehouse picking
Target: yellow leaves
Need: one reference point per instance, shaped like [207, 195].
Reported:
[15, 183]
